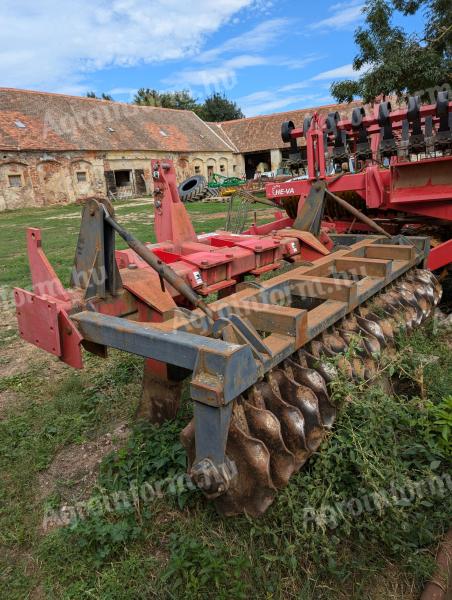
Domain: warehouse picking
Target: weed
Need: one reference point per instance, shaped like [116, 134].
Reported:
[176, 546]
[152, 456]
[197, 571]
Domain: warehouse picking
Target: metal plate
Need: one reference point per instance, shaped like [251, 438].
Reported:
[38, 321]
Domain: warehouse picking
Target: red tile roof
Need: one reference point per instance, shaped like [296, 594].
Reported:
[261, 133]
[59, 122]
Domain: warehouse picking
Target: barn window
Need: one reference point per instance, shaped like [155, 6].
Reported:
[197, 169]
[222, 169]
[81, 176]
[15, 180]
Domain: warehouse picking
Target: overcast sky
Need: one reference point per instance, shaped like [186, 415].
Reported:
[268, 56]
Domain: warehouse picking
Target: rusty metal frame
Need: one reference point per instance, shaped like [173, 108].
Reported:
[262, 328]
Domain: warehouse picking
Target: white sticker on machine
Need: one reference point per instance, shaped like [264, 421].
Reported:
[198, 278]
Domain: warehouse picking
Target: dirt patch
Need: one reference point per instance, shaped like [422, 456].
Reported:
[74, 470]
[7, 399]
[392, 584]
[133, 204]
[21, 357]
[63, 217]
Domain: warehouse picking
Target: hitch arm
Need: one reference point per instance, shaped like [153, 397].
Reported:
[164, 270]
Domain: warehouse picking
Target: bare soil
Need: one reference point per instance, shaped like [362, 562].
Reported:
[74, 470]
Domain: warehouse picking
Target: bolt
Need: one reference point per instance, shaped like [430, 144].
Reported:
[132, 266]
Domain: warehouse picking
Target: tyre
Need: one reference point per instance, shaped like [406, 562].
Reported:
[192, 189]
[211, 192]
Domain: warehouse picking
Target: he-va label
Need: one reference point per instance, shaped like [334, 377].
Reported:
[282, 191]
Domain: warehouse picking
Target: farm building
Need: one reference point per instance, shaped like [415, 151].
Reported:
[59, 149]
[258, 139]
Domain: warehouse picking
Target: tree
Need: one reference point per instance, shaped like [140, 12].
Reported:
[102, 97]
[218, 108]
[215, 108]
[181, 100]
[393, 61]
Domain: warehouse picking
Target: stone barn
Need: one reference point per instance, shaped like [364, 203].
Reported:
[59, 149]
[56, 149]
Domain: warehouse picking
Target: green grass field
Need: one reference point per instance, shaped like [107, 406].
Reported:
[68, 436]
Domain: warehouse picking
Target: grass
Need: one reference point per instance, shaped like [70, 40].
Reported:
[176, 546]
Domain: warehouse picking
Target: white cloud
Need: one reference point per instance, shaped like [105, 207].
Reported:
[258, 38]
[298, 85]
[300, 63]
[213, 78]
[55, 45]
[245, 60]
[126, 92]
[345, 14]
[268, 101]
[220, 76]
[287, 102]
[346, 71]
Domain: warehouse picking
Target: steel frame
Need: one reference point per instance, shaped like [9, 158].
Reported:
[420, 188]
[221, 369]
[255, 328]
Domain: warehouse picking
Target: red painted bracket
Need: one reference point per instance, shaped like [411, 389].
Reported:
[44, 324]
[440, 256]
[38, 321]
[44, 278]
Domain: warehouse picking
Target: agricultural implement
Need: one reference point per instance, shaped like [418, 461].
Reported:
[260, 358]
[223, 185]
[396, 165]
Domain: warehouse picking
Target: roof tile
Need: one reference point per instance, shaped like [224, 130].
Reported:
[59, 122]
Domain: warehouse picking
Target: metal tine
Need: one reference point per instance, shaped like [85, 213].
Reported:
[411, 300]
[427, 277]
[327, 370]
[351, 338]
[372, 328]
[425, 287]
[334, 341]
[312, 379]
[252, 490]
[369, 347]
[391, 311]
[385, 323]
[411, 311]
[319, 349]
[291, 420]
[265, 426]
[306, 401]
[401, 313]
[424, 299]
[371, 344]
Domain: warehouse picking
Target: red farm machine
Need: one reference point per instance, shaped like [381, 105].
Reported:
[395, 165]
[260, 357]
